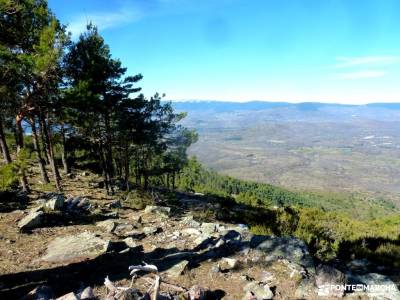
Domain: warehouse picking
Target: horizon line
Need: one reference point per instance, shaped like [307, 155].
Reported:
[280, 101]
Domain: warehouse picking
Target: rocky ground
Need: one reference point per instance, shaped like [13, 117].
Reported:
[67, 245]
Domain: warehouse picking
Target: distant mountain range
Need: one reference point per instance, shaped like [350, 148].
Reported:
[228, 106]
[208, 113]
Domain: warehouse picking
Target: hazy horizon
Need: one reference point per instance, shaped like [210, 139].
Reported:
[281, 101]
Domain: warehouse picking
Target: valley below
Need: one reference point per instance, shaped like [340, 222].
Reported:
[305, 147]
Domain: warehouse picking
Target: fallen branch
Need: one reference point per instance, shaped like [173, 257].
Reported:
[145, 268]
[156, 288]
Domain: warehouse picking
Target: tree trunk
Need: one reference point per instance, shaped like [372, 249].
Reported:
[44, 144]
[3, 144]
[64, 153]
[104, 167]
[167, 181]
[108, 150]
[36, 146]
[146, 180]
[126, 167]
[19, 133]
[50, 153]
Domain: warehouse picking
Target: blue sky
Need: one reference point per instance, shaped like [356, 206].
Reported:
[345, 51]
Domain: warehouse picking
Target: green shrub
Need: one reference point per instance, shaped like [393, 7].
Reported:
[138, 199]
[8, 176]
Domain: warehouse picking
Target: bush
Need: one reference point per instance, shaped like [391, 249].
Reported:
[8, 176]
[138, 199]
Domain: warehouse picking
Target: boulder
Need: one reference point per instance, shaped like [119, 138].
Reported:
[163, 211]
[380, 287]
[257, 291]
[290, 248]
[178, 269]
[326, 277]
[87, 294]
[76, 248]
[227, 264]
[32, 220]
[56, 202]
[209, 228]
[69, 296]
[108, 225]
[306, 289]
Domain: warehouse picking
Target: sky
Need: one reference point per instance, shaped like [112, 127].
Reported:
[343, 51]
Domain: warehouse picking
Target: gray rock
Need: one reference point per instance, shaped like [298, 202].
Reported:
[76, 247]
[135, 218]
[55, 203]
[130, 242]
[209, 228]
[83, 203]
[227, 264]
[191, 231]
[189, 221]
[306, 289]
[87, 294]
[359, 265]
[109, 225]
[381, 287]
[115, 204]
[72, 203]
[197, 293]
[159, 210]
[326, 277]
[42, 292]
[257, 291]
[203, 240]
[290, 248]
[32, 220]
[149, 230]
[123, 228]
[69, 296]
[37, 208]
[178, 269]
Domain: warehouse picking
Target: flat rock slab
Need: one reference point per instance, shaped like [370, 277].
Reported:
[178, 269]
[32, 220]
[76, 247]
